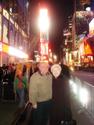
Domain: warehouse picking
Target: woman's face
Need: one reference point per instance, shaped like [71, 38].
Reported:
[56, 72]
[19, 73]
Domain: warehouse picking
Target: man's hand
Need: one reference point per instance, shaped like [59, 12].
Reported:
[34, 106]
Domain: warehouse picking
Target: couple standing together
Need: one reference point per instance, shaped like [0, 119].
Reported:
[48, 93]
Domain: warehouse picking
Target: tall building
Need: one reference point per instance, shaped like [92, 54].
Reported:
[92, 5]
[85, 1]
[82, 4]
[13, 32]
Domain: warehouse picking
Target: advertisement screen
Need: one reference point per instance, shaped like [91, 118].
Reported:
[0, 26]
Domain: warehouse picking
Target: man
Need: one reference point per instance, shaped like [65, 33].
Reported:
[40, 94]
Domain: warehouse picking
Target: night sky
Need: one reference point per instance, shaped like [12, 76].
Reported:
[59, 10]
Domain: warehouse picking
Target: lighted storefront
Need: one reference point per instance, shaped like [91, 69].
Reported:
[86, 50]
[12, 39]
[11, 51]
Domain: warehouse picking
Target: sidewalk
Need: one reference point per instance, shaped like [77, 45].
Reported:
[80, 114]
[7, 110]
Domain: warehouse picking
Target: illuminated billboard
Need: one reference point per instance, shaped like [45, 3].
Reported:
[5, 31]
[86, 47]
[0, 27]
[44, 48]
[91, 27]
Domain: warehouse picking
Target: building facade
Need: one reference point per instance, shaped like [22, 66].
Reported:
[13, 33]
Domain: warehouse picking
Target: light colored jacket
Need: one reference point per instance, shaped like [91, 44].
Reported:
[40, 88]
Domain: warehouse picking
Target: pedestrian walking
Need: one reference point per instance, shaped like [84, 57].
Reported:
[20, 84]
[40, 94]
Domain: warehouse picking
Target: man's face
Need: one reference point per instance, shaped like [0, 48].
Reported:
[43, 67]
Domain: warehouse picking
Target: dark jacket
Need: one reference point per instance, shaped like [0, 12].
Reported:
[61, 101]
[65, 70]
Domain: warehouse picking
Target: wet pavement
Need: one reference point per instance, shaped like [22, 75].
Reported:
[79, 113]
[7, 112]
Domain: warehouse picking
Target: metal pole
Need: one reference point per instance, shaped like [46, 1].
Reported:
[74, 26]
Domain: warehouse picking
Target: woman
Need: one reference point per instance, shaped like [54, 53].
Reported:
[20, 84]
[60, 96]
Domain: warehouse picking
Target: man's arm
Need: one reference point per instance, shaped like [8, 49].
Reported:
[33, 91]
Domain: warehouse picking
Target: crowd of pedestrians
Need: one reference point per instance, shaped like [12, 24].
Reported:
[7, 74]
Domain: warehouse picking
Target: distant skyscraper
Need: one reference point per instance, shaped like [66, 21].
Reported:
[85, 1]
[92, 4]
[84, 4]
[23, 5]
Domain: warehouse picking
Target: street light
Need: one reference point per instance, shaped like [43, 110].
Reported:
[88, 9]
[43, 23]
[43, 20]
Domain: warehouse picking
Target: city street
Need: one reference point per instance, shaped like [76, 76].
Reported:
[7, 110]
[80, 114]
[84, 88]
[55, 32]
[84, 76]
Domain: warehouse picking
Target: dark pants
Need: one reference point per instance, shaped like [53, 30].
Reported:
[0, 90]
[41, 114]
[21, 94]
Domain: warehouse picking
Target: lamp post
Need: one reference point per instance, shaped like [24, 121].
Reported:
[44, 31]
